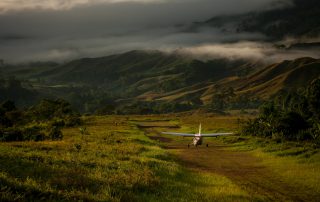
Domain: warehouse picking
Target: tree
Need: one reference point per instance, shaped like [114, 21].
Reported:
[313, 95]
[218, 101]
[8, 106]
[290, 124]
[55, 133]
[48, 109]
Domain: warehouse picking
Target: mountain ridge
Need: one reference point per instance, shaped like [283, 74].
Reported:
[156, 77]
[276, 24]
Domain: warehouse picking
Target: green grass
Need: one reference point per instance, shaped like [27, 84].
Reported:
[115, 162]
[295, 163]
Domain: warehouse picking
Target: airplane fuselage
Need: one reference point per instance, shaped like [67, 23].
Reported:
[197, 140]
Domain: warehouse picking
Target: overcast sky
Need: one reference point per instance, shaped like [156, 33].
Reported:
[61, 30]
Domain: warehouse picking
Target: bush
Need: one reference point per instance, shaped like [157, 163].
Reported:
[51, 115]
[55, 133]
[11, 134]
[33, 133]
[49, 109]
[304, 135]
[57, 123]
[290, 124]
[8, 106]
[4, 121]
[15, 117]
[257, 127]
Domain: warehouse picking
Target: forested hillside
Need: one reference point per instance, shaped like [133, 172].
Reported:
[160, 82]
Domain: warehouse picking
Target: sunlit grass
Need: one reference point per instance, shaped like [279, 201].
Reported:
[296, 164]
[115, 161]
[294, 169]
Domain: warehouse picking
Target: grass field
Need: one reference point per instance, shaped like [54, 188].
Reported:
[124, 158]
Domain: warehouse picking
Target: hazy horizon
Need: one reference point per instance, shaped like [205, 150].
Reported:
[60, 31]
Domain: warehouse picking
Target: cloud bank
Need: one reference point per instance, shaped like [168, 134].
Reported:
[257, 51]
[62, 30]
[18, 5]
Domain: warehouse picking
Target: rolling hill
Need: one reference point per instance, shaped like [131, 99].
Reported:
[157, 77]
[138, 72]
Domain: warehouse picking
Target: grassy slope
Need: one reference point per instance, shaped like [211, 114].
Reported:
[116, 162]
[144, 79]
[148, 75]
[286, 75]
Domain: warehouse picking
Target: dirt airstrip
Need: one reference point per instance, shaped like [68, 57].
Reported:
[241, 167]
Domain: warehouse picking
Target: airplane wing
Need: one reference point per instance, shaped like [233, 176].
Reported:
[216, 134]
[179, 134]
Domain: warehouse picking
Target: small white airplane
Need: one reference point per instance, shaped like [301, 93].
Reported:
[197, 138]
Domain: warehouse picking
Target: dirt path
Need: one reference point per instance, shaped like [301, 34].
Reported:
[241, 167]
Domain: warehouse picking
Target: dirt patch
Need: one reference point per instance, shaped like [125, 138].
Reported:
[146, 126]
[160, 139]
[154, 135]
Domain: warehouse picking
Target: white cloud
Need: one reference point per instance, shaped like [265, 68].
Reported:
[257, 51]
[17, 5]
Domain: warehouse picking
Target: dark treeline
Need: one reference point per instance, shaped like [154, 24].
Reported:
[144, 108]
[94, 100]
[223, 99]
[13, 89]
[291, 116]
[39, 122]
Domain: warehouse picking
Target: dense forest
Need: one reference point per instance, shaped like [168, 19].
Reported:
[293, 116]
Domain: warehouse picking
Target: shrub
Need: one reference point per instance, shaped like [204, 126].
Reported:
[4, 121]
[49, 109]
[290, 124]
[11, 134]
[55, 133]
[57, 123]
[15, 117]
[33, 133]
[78, 147]
[304, 135]
[313, 94]
[8, 106]
[257, 127]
